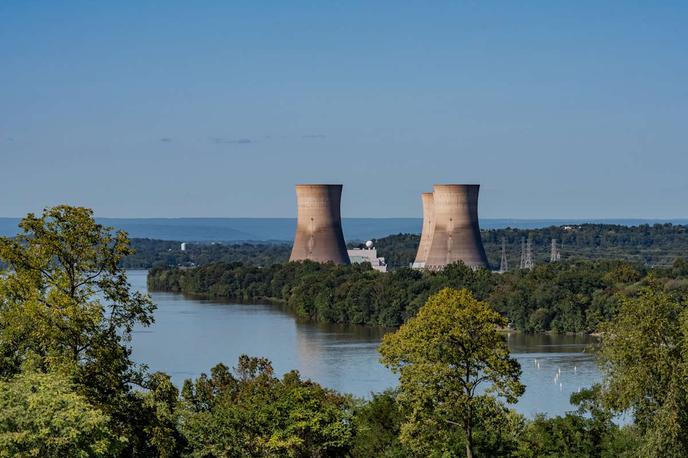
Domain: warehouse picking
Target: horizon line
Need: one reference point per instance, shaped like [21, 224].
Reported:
[520, 218]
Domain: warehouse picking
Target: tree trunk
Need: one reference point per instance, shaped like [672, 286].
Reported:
[469, 442]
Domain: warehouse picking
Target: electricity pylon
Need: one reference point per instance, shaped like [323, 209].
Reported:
[504, 264]
[527, 255]
[554, 255]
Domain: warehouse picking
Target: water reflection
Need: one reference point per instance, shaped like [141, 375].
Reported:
[553, 367]
[191, 335]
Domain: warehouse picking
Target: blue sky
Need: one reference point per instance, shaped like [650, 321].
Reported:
[142, 109]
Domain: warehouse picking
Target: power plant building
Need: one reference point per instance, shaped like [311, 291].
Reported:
[368, 254]
[319, 236]
[427, 231]
[456, 233]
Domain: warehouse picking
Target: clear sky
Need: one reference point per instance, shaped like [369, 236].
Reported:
[139, 109]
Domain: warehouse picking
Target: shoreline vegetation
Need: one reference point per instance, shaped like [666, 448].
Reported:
[284, 306]
[573, 297]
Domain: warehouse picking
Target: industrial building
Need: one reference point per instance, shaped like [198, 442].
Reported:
[368, 254]
[456, 233]
[319, 235]
[451, 231]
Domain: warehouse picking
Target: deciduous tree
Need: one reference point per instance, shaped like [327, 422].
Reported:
[41, 415]
[450, 358]
[66, 306]
[250, 413]
[645, 359]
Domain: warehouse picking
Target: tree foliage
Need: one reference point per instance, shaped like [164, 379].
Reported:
[645, 359]
[377, 424]
[66, 301]
[354, 294]
[446, 356]
[66, 306]
[151, 253]
[652, 245]
[561, 297]
[41, 415]
[251, 413]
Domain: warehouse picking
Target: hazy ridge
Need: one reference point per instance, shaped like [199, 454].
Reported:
[282, 229]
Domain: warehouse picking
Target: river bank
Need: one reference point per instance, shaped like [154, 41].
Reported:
[192, 335]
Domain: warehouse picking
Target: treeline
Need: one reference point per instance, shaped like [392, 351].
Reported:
[149, 253]
[574, 296]
[656, 245]
[653, 245]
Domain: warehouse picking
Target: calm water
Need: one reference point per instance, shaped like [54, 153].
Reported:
[190, 336]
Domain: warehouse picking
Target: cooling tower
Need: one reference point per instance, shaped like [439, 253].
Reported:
[319, 234]
[457, 232]
[428, 230]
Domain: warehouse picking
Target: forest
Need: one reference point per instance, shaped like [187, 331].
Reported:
[652, 245]
[149, 252]
[656, 245]
[564, 297]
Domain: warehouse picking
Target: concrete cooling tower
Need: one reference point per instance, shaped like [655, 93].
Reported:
[457, 232]
[319, 234]
[428, 230]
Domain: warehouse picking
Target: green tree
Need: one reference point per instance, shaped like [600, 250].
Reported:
[66, 306]
[42, 416]
[645, 357]
[445, 356]
[251, 413]
[377, 423]
[161, 405]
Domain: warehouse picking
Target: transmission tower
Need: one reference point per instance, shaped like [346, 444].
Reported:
[528, 263]
[523, 253]
[504, 265]
[554, 255]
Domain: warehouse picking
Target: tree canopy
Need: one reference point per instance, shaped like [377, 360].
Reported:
[41, 415]
[66, 306]
[450, 356]
[645, 359]
[251, 413]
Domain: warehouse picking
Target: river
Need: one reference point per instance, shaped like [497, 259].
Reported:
[192, 335]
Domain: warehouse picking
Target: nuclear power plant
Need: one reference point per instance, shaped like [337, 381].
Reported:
[451, 231]
[319, 235]
[456, 234]
[427, 231]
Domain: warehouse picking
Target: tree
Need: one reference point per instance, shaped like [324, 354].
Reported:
[66, 306]
[377, 424]
[645, 359]
[445, 356]
[161, 402]
[250, 413]
[587, 433]
[41, 415]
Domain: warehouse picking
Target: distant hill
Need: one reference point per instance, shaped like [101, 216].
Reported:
[652, 245]
[282, 229]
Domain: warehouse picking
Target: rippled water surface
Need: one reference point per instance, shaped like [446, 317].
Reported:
[191, 335]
